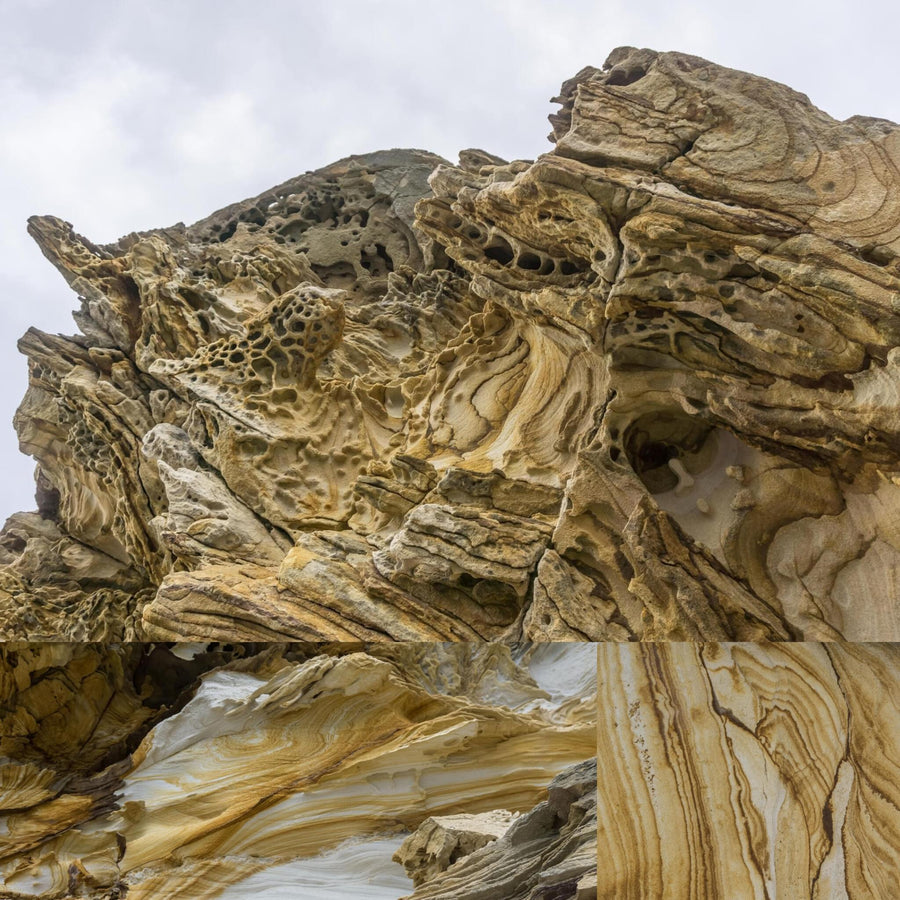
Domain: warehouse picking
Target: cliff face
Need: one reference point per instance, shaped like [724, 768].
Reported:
[645, 386]
[201, 771]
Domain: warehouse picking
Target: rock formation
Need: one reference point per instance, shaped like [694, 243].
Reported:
[748, 771]
[226, 771]
[550, 852]
[646, 386]
[441, 841]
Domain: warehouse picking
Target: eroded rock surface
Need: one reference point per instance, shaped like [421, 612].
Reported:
[749, 771]
[646, 386]
[204, 771]
[440, 841]
[550, 853]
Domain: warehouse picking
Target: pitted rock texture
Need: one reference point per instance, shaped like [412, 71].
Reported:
[748, 771]
[186, 770]
[645, 387]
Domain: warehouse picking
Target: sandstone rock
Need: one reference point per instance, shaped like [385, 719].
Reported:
[441, 840]
[643, 387]
[550, 853]
[748, 770]
[211, 770]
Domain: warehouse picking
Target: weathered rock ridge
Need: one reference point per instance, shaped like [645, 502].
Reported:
[283, 770]
[646, 386]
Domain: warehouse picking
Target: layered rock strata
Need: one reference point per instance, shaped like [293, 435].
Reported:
[550, 853]
[206, 771]
[749, 771]
[643, 387]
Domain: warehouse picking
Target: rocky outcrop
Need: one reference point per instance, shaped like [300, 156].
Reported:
[550, 853]
[202, 771]
[643, 387]
[748, 771]
[442, 840]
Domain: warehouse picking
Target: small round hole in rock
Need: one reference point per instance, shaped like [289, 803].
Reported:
[500, 252]
[529, 261]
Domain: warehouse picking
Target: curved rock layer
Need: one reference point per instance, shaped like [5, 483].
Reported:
[646, 386]
[205, 771]
[749, 771]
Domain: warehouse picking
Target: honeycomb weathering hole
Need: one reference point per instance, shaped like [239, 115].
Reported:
[666, 449]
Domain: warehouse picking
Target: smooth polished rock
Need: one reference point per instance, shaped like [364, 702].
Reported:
[748, 771]
[194, 770]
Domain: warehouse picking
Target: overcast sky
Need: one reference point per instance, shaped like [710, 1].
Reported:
[121, 116]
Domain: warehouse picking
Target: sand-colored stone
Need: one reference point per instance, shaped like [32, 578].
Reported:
[748, 771]
[646, 386]
[183, 771]
[549, 853]
[442, 840]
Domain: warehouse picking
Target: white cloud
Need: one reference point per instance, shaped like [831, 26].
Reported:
[223, 133]
[61, 144]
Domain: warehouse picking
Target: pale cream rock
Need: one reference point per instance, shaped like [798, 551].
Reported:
[441, 840]
[550, 851]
